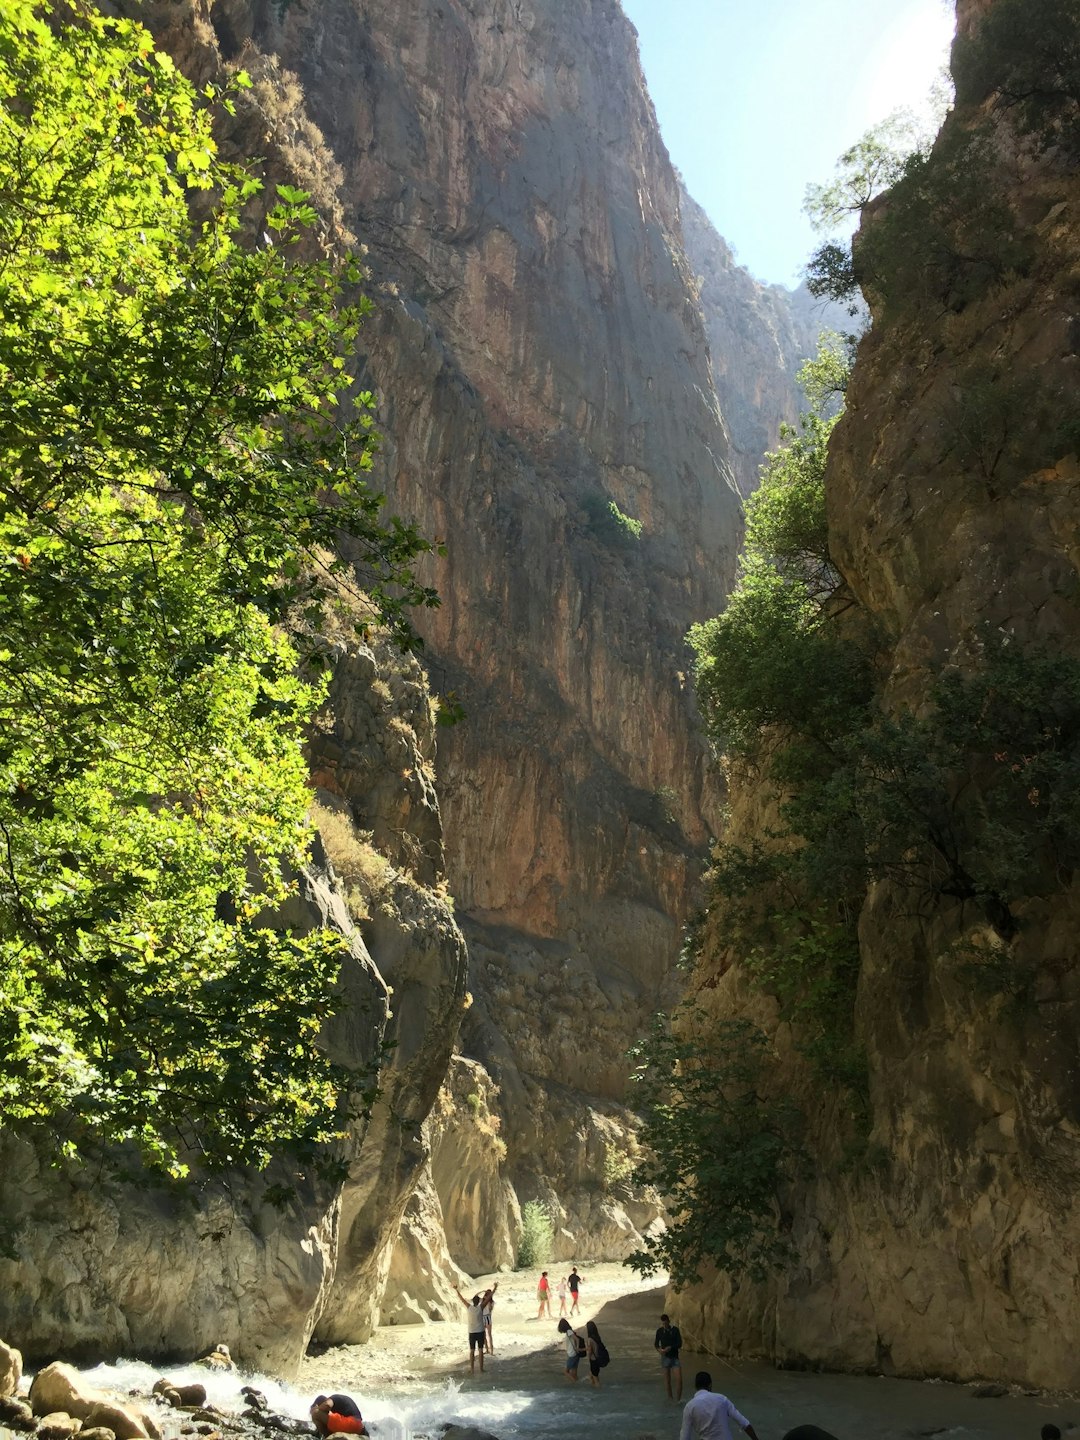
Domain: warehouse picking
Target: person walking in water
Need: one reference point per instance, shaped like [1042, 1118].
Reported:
[487, 1304]
[596, 1352]
[543, 1294]
[475, 1320]
[574, 1281]
[708, 1415]
[575, 1348]
[669, 1342]
[560, 1290]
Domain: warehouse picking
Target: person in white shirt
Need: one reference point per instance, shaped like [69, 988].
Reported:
[708, 1415]
[475, 1321]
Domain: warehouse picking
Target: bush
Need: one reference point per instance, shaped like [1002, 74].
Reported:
[609, 523]
[537, 1235]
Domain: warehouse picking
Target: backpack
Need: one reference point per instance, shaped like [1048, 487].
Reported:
[582, 1344]
[602, 1356]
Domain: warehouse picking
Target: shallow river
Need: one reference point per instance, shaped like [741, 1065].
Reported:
[409, 1380]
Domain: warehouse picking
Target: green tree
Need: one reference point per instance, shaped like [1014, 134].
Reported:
[717, 1148]
[181, 445]
[537, 1235]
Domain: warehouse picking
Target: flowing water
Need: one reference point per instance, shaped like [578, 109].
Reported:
[524, 1397]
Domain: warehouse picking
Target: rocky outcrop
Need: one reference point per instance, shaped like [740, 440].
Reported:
[100, 1267]
[954, 500]
[480, 1213]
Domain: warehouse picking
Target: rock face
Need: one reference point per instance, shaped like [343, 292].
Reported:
[957, 1251]
[759, 337]
[542, 356]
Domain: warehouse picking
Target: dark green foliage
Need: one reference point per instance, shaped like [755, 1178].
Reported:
[718, 1149]
[1002, 423]
[943, 234]
[830, 275]
[1025, 54]
[978, 798]
[609, 523]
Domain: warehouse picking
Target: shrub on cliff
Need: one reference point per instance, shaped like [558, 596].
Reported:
[178, 450]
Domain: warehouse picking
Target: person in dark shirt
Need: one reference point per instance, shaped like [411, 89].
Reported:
[574, 1281]
[669, 1343]
[337, 1415]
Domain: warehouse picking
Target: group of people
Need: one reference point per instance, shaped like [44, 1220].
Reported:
[570, 1284]
[584, 1347]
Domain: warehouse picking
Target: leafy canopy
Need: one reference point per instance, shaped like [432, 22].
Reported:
[718, 1149]
[180, 447]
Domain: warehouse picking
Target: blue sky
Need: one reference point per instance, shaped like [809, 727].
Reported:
[757, 98]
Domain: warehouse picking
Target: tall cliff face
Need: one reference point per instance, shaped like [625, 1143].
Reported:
[540, 356]
[759, 338]
[954, 503]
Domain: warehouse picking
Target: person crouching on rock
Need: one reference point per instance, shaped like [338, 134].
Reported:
[337, 1415]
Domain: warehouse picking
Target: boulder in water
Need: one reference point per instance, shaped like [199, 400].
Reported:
[61, 1387]
[96, 1432]
[15, 1414]
[466, 1432]
[125, 1422]
[58, 1425]
[218, 1359]
[10, 1369]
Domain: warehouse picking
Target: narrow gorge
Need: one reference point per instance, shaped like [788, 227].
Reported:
[575, 385]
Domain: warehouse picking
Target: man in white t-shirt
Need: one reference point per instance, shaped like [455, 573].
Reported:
[708, 1415]
[474, 1318]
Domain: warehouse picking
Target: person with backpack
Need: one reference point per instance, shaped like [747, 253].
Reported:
[576, 1347]
[597, 1352]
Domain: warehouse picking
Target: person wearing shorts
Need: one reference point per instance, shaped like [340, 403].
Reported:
[575, 1348]
[574, 1281]
[475, 1320]
[669, 1343]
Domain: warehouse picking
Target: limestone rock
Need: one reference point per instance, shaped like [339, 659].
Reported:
[97, 1432]
[16, 1414]
[58, 1425]
[955, 1249]
[60, 1387]
[10, 1369]
[122, 1420]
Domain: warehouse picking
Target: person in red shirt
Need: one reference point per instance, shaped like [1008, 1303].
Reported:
[543, 1294]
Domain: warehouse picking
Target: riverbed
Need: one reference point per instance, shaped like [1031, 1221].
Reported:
[413, 1379]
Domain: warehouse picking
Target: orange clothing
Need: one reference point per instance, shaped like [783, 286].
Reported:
[344, 1424]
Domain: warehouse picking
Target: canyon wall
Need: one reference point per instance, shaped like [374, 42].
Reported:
[541, 356]
[547, 400]
[952, 1247]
